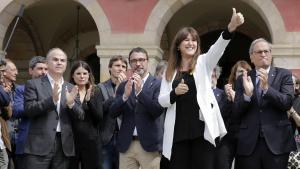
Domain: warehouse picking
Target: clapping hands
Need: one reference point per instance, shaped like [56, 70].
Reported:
[71, 95]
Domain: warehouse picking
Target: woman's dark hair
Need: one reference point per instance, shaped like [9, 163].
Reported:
[174, 61]
[83, 64]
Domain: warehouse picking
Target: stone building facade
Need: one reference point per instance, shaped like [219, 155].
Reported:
[95, 30]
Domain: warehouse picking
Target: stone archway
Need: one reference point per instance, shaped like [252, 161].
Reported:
[10, 8]
[61, 36]
[164, 11]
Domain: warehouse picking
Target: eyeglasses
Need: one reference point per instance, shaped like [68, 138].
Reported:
[134, 61]
[262, 51]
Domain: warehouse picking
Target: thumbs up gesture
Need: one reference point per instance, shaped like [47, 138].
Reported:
[181, 88]
[237, 19]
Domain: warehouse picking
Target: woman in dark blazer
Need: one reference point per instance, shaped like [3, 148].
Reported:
[86, 132]
[226, 151]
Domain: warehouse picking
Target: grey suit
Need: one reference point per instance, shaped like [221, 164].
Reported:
[39, 107]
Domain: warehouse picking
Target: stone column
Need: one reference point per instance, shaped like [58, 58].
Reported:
[105, 52]
[287, 56]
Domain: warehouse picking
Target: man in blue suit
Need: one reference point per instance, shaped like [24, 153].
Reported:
[263, 97]
[5, 114]
[140, 136]
[37, 68]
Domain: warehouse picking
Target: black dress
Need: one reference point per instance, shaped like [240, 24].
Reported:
[88, 147]
[187, 123]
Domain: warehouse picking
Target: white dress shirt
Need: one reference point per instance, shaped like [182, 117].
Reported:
[61, 82]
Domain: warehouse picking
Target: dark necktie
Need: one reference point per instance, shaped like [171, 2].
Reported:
[258, 91]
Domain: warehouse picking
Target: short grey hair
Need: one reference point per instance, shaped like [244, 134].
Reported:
[255, 42]
[218, 70]
[51, 52]
[35, 60]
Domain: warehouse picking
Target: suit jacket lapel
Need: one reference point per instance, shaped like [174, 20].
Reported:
[131, 100]
[63, 96]
[109, 88]
[253, 78]
[271, 75]
[148, 82]
[46, 85]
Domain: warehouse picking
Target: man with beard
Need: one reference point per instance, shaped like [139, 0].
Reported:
[140, 136]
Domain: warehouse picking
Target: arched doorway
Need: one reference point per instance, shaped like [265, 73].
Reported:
[236, 50]
[41, 29]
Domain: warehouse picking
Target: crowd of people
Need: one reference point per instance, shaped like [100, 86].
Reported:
[176, 119]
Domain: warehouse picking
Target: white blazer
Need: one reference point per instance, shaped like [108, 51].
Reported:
[214, 124]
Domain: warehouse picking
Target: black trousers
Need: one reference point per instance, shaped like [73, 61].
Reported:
[190, 154]
[262, 158]
[56, 159]
[20, 162]
[88, 155]
[226, 152]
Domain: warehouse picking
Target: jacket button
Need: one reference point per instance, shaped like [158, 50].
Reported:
[54, 129]
[57, 118]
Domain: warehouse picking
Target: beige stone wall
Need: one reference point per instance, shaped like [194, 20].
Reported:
[286, 56]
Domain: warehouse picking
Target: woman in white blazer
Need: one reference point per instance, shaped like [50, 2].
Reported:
[193, 120]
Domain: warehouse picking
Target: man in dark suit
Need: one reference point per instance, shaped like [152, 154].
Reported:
[37, 68]
[263, 98]
[117, 69]
[48, 105]
[140, 136]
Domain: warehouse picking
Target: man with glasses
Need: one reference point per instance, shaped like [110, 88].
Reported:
[262, 99]
[140, 136]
